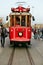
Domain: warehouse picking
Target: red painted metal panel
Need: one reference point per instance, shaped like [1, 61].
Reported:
[14, 33]
[11, 32]
[20, 8]
[29, 31]
[22, 30]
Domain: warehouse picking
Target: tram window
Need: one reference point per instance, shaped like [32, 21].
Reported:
[23, 21]
[27, 24]
[12, 16]
[12, 20]
[28, 21]
[17, 21]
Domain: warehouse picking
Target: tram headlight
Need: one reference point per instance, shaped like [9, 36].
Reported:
[20, 34]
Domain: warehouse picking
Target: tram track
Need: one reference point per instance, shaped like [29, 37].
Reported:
[11, 57]
[28, 55]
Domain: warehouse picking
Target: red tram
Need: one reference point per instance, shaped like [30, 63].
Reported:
[20, 25]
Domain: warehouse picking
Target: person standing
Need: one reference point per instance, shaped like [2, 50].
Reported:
[3, 32]
[35, 33]
[42, 33]
[38, 31]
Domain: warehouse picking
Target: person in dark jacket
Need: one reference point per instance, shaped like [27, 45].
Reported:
[35, 33]
[3, 32]
[42, 33]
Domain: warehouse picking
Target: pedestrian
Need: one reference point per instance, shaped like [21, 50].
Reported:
[42, 33]
[3, 32]
[38, 31]
[35, 33]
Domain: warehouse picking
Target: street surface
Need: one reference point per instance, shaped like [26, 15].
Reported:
[20, 56]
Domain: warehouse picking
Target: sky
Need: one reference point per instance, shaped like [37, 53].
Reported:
[36, 7]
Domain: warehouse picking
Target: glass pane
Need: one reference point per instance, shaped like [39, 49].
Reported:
[17, 20]
[23, 21]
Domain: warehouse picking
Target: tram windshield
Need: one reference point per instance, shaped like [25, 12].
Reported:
[23, 20]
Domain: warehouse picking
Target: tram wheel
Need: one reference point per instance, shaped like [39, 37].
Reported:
[29, 43]
[10, 42]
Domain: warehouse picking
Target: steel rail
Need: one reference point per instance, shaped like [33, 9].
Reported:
[11, 57]
[29, 56]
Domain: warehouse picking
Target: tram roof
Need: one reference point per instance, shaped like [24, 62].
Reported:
[20, 13]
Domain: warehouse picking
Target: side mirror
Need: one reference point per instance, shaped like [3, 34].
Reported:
[33, 18]
[6, 18]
